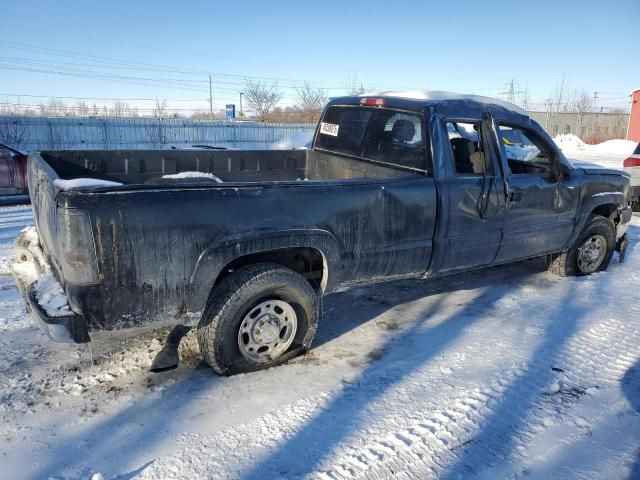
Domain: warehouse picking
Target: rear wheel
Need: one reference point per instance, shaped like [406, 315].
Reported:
[591, 252]
[260, 316]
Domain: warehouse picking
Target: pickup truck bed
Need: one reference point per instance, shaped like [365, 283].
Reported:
[173, 263]
[147, 167]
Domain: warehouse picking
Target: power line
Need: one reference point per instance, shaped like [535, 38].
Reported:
[118, 62]
[98, 98]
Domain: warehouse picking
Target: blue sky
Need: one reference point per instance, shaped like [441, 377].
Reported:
[139, 49]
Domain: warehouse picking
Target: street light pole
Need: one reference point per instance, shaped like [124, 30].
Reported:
[241, 114]
[210, 99]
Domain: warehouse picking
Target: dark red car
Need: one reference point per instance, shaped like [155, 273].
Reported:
[13, 169]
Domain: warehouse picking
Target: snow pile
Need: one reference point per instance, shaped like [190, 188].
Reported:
[616, 147]
[609, 154]
[569, 141]
[26, 270]
[193, 175]
[84, 183]
[51, 297]
[298, 141]
[49, 292]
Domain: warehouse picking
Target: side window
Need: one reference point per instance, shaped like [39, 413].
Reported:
[374, 133]
[526, 154]
[467, 149]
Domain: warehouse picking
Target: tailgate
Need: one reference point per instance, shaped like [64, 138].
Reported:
[40, 178]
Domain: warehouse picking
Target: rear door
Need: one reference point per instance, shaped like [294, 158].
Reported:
[475, 194]
[541, 204]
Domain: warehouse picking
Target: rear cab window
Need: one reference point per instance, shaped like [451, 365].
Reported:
[384, 135]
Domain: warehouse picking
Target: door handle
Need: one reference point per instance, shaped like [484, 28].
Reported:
[515, 196]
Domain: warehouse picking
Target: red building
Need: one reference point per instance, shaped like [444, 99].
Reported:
[633, 132]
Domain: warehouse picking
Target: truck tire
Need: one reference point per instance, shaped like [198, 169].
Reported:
[591, 252]
[259, 316]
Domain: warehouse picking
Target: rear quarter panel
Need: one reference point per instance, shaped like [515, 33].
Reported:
[159, 250]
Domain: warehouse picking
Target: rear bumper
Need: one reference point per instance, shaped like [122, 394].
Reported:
[68, 329]
[27, 270]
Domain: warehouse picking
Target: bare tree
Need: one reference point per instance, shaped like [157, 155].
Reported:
[261, 98]
[556, 100]
[580, 102]
[156, 130]
[310, 101]
[118, 110]
[122, 110]
[82, 109]
[55, 135]
[353, 86]
[55, 108]
[524, 99]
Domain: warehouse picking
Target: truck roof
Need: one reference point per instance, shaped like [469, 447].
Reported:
[426, 97]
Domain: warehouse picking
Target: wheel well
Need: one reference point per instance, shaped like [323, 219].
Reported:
[607, 210]
[308, 262]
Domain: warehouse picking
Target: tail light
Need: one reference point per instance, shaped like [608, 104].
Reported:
[77, 253]
[372, 102]
[632, 162]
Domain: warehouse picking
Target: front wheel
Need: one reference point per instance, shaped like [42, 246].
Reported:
[258, 317]
[591, 252]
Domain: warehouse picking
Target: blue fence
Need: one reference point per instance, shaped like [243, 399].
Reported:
[57, 133]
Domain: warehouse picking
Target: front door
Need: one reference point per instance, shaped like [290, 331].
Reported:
[541, 204]
[475, 196]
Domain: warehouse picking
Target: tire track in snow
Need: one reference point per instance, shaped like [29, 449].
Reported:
[436, 432]
[597, 354]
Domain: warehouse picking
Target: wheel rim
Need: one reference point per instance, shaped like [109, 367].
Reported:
[591, 253]
[266, 332]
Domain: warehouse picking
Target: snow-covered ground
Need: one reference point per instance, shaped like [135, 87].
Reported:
[504, 373]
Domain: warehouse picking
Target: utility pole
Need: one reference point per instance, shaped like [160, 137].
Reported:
[511, 91]
[241, 114]
[210, 99]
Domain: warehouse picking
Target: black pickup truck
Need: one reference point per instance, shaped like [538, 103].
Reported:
[242, 244]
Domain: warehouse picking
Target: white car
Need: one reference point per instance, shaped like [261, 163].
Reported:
[632, 167]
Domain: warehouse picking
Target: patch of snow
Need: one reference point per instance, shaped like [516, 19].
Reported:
[298, 141]
[193, 175]
[84, 183]
[478, 397]
[615, 147]
[51, 296]
[609, 154]
[444, 96]
[569, 141]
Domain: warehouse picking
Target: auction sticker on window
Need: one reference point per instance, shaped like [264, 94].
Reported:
[329, 129]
